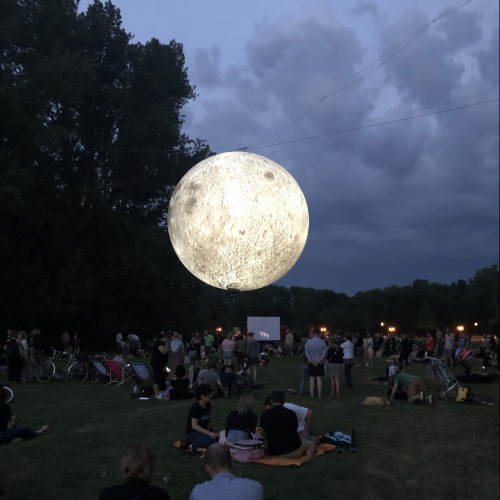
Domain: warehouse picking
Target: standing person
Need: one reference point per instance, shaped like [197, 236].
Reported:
[439, 346]
[360, 351]
[369, 350]
[348, 358]
[228, 349]
[449, 347]
[119, 340]
[253, 353]
[177, 349]
[289, 345]
[405, 350]
[429, 345]
[240, 350]
[222, 483]
[13, 356]
[23, 351]
[65, 340]
[137, 466]
[208, 338]
[198, 419]
[334, 366]
[315, 351]
[196, 344]
[77, 342]
[159, 360]
[304, 374]
[34, 345]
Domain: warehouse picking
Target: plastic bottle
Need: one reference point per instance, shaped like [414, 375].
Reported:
[194, 446]
[135, 390]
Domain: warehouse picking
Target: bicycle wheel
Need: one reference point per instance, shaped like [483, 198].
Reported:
[78, 372]
[245, 383]
[45, 371]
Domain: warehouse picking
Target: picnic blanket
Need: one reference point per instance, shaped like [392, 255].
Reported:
[281, 461]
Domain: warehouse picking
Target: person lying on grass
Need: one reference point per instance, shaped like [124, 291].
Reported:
[10, 432]
[279, 429]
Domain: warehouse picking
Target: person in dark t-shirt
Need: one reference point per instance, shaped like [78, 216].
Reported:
[279, 428]
[198, 419]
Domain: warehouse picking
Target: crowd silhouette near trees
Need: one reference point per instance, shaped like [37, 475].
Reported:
[91, 150]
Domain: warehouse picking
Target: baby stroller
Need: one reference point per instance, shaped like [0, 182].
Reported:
[243, 381]
[440, 375]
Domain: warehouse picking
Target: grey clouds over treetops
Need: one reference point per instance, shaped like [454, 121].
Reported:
[416, 198]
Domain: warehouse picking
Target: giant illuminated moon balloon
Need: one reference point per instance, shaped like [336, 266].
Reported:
[238, 221]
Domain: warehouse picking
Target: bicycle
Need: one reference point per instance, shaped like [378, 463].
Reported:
[243, 381]
[441, 376]
[73, 369]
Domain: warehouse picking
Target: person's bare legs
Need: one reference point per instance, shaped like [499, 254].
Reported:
[311, 386]
[332, 386]
[311, 452]
[319, 381]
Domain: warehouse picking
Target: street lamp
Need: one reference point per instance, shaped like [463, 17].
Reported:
[392, 329]
[475, 327]
[460, 328]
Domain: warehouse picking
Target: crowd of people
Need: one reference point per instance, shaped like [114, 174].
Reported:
[285, 427]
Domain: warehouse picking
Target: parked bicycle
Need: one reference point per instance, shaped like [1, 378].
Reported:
[243, 381]
[58, 367]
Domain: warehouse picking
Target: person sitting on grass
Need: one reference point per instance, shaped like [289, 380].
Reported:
[180, 384]
[10, 432]
[137, 465]
[222, 483]
[227, 379]
[279, 429]
[241, 422]
[212, 378]
[413, 386]
[198, 420]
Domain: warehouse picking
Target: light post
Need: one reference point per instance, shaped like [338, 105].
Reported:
[475, 328]
[460, 328]
[391, 329]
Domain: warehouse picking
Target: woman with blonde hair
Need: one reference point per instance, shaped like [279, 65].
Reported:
[241, 422]
[137, 465]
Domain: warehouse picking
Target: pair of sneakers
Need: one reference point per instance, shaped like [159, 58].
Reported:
[428, 399]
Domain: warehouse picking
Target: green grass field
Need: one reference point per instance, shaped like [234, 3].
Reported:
[447, 451]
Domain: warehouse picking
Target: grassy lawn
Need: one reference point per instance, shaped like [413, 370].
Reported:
[450, 450]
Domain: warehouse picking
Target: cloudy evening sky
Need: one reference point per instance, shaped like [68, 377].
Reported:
[387, 120]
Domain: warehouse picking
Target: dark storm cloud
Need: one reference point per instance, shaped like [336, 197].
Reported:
[390, 204]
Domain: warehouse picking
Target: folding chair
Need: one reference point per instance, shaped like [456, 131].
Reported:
[142, 372]
[116, 374]
[102, 371]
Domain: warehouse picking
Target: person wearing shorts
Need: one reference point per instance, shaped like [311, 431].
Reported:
[413, 386]
[315, 351]
[228, 349]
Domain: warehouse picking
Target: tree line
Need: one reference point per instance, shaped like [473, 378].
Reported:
[91, 149]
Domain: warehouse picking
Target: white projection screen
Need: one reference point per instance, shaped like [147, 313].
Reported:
[266, 329]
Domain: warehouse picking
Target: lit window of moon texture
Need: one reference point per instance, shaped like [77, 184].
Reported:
[238, 221]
